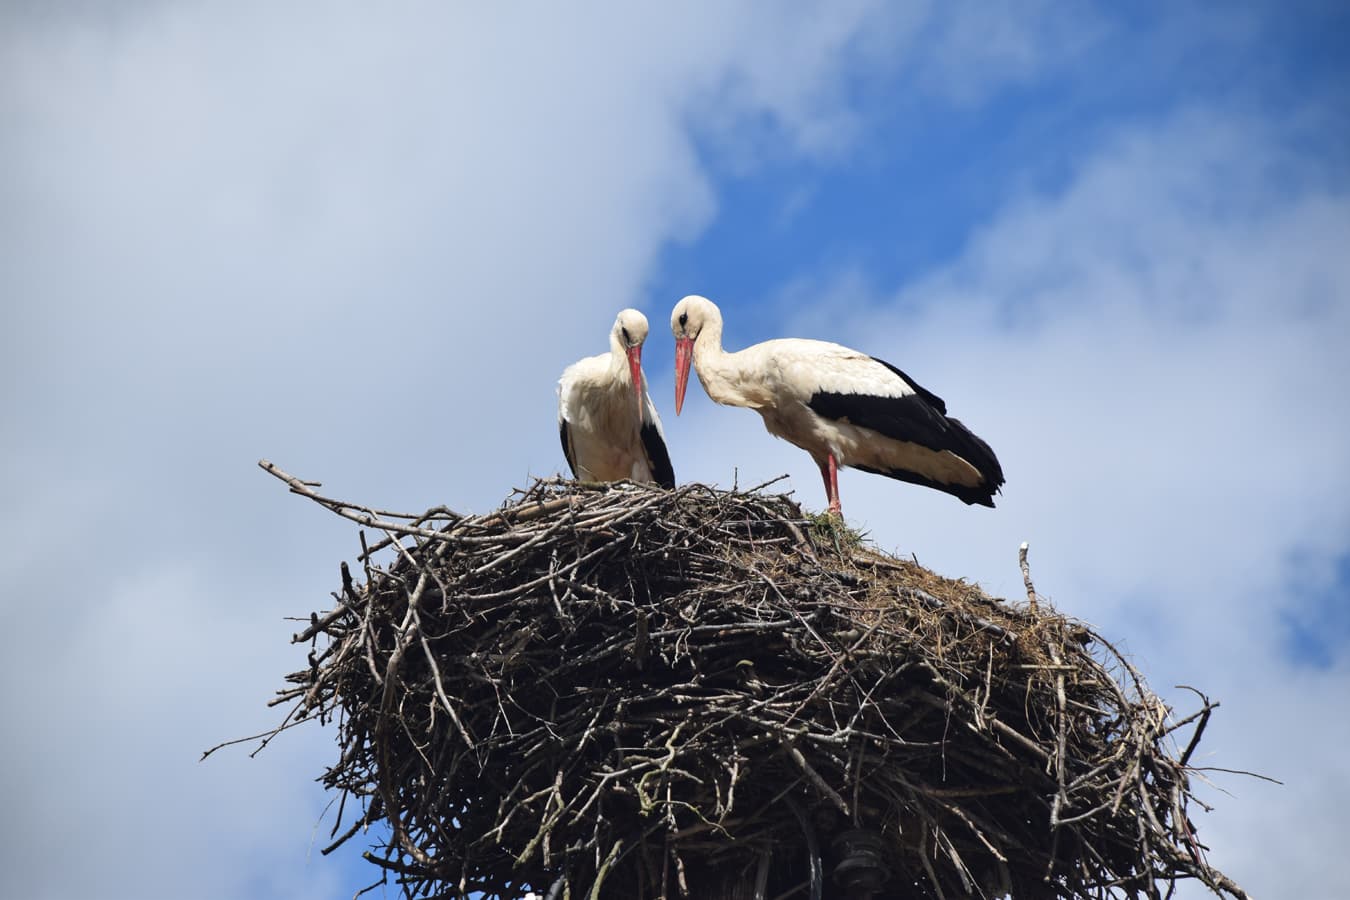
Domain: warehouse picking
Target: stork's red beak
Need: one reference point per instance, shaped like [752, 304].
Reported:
[635, 367]
[684, 353]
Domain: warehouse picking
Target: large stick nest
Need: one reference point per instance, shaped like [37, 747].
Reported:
[622, 691]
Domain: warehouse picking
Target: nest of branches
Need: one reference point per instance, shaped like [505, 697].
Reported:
[620, 691]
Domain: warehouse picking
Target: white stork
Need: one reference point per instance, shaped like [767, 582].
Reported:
[606, 435]
[843, 407]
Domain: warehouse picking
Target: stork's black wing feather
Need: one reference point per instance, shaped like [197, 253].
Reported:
[567, 446]
[658, 457]
[931, 398]
[908, 418]
[918, 418]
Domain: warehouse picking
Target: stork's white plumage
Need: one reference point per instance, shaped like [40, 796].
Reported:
[843, 407]
[606, 419]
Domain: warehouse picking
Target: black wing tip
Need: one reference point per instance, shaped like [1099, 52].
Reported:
[982, 499]
[971, 496]
[982, 495]
[991, 475]
[979, 495]
[658, 457]
[567, 447]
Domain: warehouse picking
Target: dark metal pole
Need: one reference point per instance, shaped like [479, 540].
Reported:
[861, 871]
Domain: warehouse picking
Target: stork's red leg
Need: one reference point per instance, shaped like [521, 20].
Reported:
[829, 473]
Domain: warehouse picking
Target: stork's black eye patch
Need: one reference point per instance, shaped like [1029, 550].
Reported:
[684, 319]
[626, 339]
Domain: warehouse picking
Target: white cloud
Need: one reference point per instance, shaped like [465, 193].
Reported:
[144, 673]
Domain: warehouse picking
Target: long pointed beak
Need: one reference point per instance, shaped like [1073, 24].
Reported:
[635, 367]
[684, 354]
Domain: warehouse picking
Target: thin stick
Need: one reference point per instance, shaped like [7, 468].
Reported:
[1026, 575]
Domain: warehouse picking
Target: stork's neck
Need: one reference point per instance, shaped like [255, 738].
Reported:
[721, 373]
[618, 358]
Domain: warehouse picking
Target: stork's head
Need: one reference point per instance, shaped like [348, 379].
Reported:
[687, 321]
[630, 330]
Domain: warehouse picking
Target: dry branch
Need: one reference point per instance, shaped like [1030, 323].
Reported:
[666, 693]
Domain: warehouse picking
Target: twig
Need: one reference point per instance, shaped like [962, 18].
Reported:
[1026, 576]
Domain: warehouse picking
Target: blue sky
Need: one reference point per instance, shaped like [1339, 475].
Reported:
[1114, 242]
[926, 172]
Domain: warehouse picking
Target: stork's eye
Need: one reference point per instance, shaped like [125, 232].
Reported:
[684, 319]
[626, 339]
